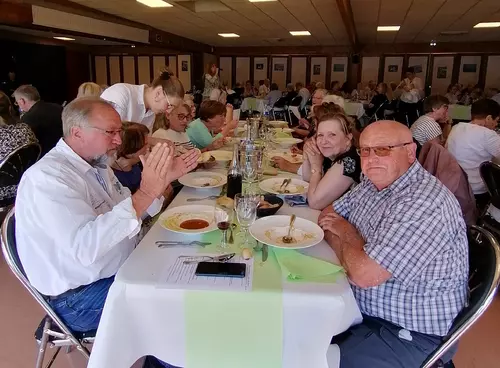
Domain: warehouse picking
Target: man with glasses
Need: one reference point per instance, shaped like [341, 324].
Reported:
[428, 127]
[401, 237]
[75, 223]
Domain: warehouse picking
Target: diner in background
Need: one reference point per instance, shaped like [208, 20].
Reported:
[215, 123]
[211, 80]
[140, 103]
[306, 125]
[13, 135]
[302, 92]
[273, 95]
[476, 142]
[412, 91]
[174, 128]
[383, 95]
[44, 118]
[331, 163]
[429, 127]
[452, 93]
[402, 240]
[95, 218]
[89, 89]
[249, 90]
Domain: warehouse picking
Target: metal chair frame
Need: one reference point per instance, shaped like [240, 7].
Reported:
[461, 327]
[66, 338]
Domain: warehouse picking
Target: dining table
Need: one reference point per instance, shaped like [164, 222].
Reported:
[459, 112]
[354, 108]
[253, 104]
[278, 323]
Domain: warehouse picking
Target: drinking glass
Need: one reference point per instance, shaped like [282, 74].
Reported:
[246, 212]
[250, 157]
[223, 218]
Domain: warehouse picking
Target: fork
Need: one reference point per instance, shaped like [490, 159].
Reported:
[202, 199]
[281, 186]
[223, 258]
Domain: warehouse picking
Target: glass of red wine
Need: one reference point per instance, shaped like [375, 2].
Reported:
[223, 219]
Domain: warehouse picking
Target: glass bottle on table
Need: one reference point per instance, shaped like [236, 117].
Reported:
[234, 177]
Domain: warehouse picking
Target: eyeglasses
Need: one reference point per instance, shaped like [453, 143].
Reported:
[183, 116]
[380, 151]
[109, 133]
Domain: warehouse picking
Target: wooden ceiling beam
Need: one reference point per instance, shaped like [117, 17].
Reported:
[345, 10]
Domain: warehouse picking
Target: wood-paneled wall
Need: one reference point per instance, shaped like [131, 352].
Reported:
[139, 69]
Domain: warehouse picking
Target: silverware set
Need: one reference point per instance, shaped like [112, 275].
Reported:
[171, 243]
[223, 258]
[211, 198]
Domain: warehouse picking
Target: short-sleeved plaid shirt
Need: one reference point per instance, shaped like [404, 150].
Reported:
[415, 230]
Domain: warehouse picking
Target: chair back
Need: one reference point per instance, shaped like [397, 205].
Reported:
[490, 173]
[296, 101]
[484, 276]
[17, 162]
[9, 250]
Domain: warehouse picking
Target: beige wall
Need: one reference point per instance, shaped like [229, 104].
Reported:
[321, 77]
[114, 69]
[299, 65]
[184, 75]
[259, 74]
[226, 74]
[101, 70]
[143, 66]
[172, 65]
[339, 76]
[129, 69]
[469, 78]
[440, 85]
[242, 69]
[493, 72]
[158, 65]
[279, 77]
[396, 75]
[369, 68]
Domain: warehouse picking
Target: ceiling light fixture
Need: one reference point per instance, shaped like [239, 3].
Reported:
[155, 3]
[487, 25]
[64, 38]
[261, 1]
[433, 43]
[300, 33]
[388, 28]
[228, 35]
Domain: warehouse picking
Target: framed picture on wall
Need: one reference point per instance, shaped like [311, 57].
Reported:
[417, 68]
[338, 67]
[469, 68]
[392, 68]
[259, 66]
[442, 71]
[316, 69]
[279, 67]
[184, 66]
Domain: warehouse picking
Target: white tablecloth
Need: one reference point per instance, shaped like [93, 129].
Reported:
[140, 319]
[252, 103]
[354, 109]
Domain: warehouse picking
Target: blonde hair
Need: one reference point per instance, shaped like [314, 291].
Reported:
[170, 84]
[338, 100]
[89, 89]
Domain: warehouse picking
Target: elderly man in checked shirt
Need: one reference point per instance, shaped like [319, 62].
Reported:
[402, 239]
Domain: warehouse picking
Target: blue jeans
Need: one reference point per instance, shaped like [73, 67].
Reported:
[377, 343]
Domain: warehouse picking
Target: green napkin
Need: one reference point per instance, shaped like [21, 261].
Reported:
[283, 135]
[297, 266]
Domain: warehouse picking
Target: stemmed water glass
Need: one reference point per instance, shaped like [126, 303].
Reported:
[246, 212]
[223, 218]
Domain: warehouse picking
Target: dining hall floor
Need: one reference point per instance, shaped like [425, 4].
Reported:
[479, 348]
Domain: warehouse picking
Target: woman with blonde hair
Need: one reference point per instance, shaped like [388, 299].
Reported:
[331, 162]
[89, 89]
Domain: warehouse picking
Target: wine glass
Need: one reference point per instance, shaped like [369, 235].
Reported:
[223, 218]
[246, 212]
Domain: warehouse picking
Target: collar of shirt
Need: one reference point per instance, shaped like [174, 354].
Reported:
[78, 163]
[140, 100]
[399, 183]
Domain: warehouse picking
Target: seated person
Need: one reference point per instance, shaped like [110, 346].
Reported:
[263, 89]
[126, 167]
[89, 89]
[306, 125]
[215, 123]
[72, 256]
[274, 95]
[402, 240]
[476, 142]
[428, 127]
[331, 163]
[13, 135]
[452, 93]
[249, 91]
[174, 128]
[381, 97]
[291, 93]
[302, 92]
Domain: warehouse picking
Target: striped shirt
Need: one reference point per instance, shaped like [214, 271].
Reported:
[180, 139]
[415, 230]
[425, 129]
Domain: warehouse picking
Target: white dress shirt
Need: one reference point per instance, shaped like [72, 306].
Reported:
[75, 224]
[416, 90]
[496, 98]
[471, 145]
[128, 101]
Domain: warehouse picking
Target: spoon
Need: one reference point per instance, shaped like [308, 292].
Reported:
[231, 238]
[287, 183]
[202, 199]
[288, 238]
[283, 183]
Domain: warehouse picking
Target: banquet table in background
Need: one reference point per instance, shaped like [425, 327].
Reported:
[253, 104]
[354, 109]
[140, 318]
[459, 112]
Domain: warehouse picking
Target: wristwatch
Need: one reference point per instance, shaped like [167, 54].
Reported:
[314, 171]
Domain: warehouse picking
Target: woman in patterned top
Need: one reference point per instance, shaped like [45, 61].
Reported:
[12, 136]
[331, 163]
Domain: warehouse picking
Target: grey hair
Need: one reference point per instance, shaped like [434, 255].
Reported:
[28, 92]
[77, 112]
[323, 91]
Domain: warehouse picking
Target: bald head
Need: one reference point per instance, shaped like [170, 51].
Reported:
[396, 152]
